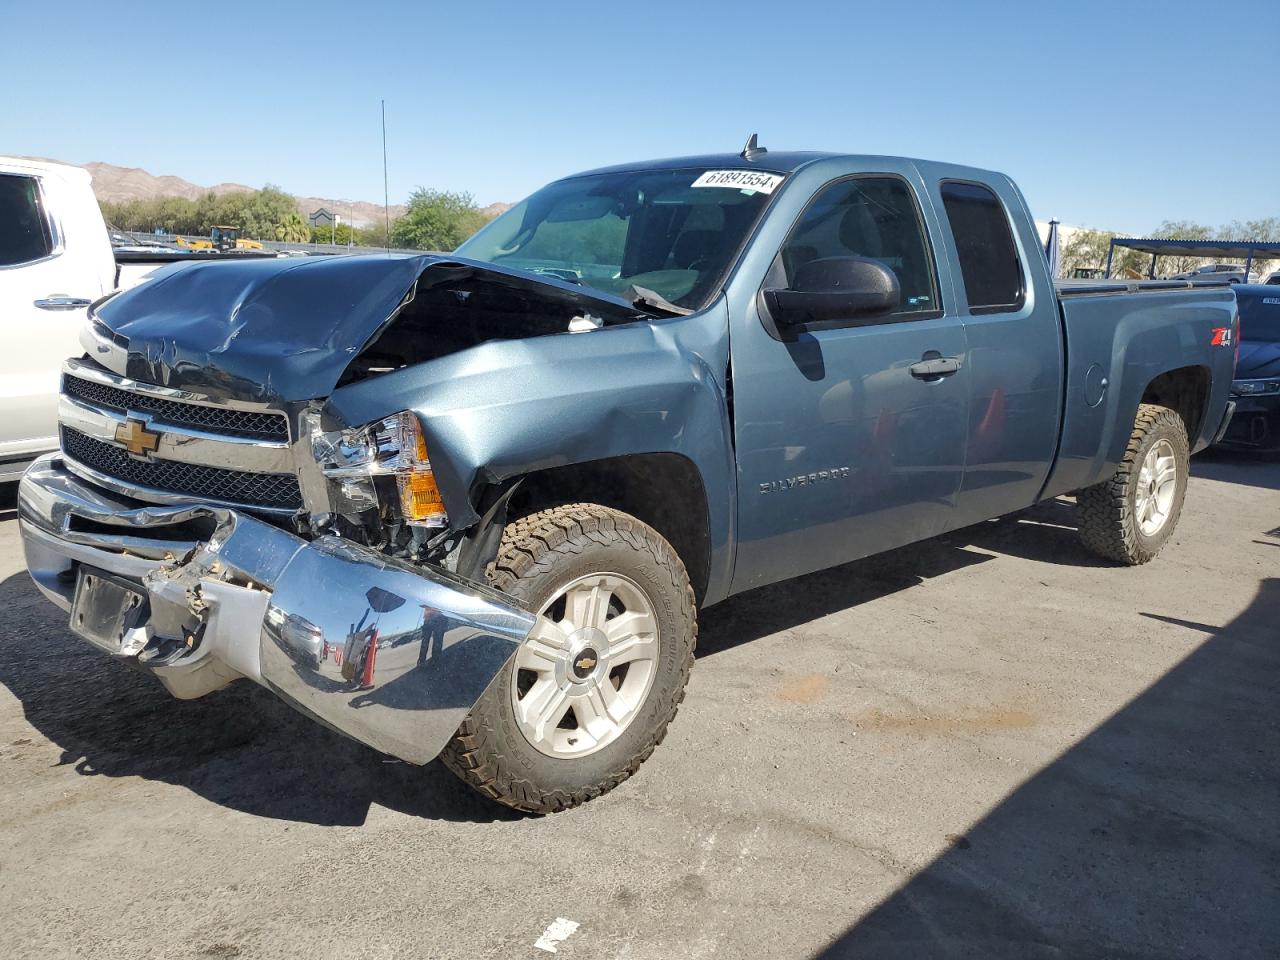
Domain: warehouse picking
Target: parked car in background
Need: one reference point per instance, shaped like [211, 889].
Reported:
[469, 505]
[1230, 272]
[1256, 388]
[1272, 279]
[55, 259]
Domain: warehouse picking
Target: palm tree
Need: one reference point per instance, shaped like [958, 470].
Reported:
[293, 229]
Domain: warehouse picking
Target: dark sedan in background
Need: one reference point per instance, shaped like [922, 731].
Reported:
[1256, 388]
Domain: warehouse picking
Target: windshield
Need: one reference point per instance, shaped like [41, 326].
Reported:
[632, 234]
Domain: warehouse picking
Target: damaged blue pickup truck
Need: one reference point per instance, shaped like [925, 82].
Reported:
[467, 506]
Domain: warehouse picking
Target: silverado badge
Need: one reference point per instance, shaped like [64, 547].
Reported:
[136, 438]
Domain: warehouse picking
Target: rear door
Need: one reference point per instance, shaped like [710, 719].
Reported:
[842, 450]
[1010, 314]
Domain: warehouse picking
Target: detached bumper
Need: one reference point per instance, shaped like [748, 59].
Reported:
[390, 654]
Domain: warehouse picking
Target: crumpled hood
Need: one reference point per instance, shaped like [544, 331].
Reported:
[270, 329]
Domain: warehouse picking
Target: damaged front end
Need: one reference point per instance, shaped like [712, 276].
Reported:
[390, 654]
[213, 514]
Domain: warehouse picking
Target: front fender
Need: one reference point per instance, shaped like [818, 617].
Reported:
[507, 408]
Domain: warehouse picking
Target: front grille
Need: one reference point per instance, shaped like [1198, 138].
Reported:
[224, 420]
[272, 490]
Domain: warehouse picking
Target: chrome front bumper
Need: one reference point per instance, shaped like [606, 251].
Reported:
[390, 654]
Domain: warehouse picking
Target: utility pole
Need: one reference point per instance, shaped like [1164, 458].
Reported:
[386, 194]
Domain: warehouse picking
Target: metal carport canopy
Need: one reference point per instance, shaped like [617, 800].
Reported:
[1158, 247]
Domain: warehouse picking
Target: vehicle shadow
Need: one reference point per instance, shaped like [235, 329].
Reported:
[245, 749]
[1046, 532]
[1155, 836]
[1229, 465]
[240, 747]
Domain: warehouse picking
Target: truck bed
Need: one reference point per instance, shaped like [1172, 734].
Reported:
[1121, 336]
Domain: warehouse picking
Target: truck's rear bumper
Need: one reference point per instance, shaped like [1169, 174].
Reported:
[1256, 424]
[390, 654]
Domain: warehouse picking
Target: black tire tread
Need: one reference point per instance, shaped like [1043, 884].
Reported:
[1107, 525]
[532, 545]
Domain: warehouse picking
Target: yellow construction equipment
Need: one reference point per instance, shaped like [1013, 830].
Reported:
[221, 238]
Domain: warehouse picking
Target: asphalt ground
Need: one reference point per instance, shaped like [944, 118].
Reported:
[987, 745]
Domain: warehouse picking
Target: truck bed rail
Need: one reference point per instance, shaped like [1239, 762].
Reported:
[1080, 288]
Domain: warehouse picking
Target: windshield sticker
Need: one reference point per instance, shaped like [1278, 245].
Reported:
[740, 180]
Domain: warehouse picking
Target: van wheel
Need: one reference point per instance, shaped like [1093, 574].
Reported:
[1130, 517]
[590, 692]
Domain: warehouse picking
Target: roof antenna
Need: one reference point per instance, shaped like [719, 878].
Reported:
[752, 149]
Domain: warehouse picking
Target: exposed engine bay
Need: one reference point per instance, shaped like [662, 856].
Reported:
[453, 306]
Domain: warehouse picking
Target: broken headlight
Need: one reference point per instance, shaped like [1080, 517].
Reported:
[383, 464]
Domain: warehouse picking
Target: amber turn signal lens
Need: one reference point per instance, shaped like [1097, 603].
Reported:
[420, 499]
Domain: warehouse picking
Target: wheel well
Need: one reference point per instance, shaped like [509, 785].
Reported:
[662, 489]
[1185, 390]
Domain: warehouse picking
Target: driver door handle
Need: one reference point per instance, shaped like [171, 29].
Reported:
[934, 367]
[62, 303]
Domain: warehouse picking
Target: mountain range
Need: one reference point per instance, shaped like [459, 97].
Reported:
[118, 184]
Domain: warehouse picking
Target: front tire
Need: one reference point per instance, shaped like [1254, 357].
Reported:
[1130, 517]
[590, 693]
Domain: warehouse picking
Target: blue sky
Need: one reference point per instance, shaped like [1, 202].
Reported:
[1117, 114]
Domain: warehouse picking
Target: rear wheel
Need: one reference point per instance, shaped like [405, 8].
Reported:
[589, 694]
[1130, 517]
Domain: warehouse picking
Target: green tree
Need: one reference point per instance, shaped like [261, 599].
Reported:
[437, 220]
[1181, 230]
[341, 234]
[1088, 249]
[1266, 228]
[293, 229]
[375, 234]
[266, 214]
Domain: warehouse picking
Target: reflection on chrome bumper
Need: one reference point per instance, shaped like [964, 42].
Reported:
[390, 654]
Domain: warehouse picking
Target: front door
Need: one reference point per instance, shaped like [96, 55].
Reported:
[849, 440]
[42, 307]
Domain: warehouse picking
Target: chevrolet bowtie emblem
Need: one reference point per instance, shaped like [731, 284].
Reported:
[585, 664]
[136, 438]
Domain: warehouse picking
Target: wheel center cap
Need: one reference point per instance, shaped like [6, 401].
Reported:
[584, 662]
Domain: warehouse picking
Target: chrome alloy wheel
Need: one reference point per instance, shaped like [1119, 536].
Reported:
[583, 674]
[1157, 483]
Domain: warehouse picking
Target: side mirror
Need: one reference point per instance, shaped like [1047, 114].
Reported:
[835, 288]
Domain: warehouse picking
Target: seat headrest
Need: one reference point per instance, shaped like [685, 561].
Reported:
[859, 231]
[692, 246]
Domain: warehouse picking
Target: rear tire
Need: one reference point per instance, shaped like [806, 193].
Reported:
[581, 562]
[1130, 517]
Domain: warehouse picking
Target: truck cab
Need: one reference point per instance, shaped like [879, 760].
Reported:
[55, 259]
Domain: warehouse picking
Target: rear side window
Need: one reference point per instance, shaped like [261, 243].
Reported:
[874, 217]
[993, 281]
[24, 229]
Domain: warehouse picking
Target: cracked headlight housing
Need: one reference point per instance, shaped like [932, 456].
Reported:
[383, 464]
